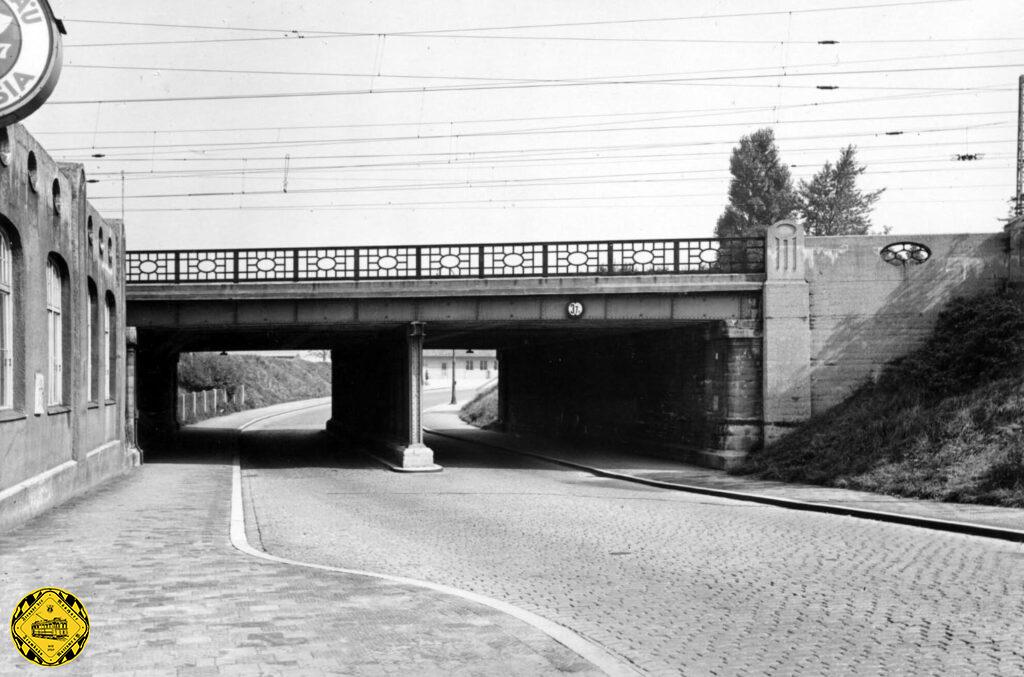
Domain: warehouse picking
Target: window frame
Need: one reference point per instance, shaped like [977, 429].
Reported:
[54, 333]
[8, 298]
[110, 348]
[93, 348]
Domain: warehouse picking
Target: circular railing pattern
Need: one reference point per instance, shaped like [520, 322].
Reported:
[148, 267]
[387, 262]
[643, 257]
[577, 258]
[513, 260]
[207, 266]
[266, 265]
[450, 261]
[326, 263]
[901, 253]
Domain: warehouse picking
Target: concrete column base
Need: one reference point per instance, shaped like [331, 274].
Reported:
[410, 458]
[399, 457]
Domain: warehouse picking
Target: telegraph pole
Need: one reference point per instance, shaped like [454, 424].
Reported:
[1018, 209]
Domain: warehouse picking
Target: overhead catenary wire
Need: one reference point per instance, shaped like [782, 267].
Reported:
[242, 145]
[779, 69]
[702, 81]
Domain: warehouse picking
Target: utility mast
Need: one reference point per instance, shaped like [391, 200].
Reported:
[1018, 209]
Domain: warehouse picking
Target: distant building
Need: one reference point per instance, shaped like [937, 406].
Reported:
[470, 366]
[63, 366]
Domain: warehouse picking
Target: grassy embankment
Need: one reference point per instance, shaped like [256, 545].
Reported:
[267, 380]
[482, 410]
[944, 423]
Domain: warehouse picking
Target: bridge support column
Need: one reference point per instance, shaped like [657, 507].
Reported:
[377, 394]
[409, 450]
[787, 332]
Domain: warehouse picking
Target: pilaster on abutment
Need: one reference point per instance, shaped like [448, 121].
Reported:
[786, 353]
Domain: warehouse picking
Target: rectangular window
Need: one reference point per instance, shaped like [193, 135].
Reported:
[469, 365]
[55, 334]
[6, 324]
[483, 365]
[110, 368]
[444, 367]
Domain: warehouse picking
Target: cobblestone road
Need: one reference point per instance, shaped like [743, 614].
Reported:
[167, 595]
[676, 583]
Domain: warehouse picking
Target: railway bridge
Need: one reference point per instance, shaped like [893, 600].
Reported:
[702, 349]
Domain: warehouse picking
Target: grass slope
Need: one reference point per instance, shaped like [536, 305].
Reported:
[482, 410]
[946, 422]
[267, 380]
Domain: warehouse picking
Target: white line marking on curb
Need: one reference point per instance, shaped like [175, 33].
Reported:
[598, 656]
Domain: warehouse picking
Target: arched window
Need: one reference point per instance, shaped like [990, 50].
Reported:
[33, 171]
[101, 245]
[57, 204]
[89, 231]
[6, 321]
[94, 356]
[110, 252]
[55, 283]
[110, 341]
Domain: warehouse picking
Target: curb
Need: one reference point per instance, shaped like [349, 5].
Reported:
[968, 528]
[589, 651]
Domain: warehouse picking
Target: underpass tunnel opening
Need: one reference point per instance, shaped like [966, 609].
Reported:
[216, 383]
[691, 392]
[458, 376]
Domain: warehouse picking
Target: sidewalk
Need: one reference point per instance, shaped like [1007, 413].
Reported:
[445, 420]
[149, 556]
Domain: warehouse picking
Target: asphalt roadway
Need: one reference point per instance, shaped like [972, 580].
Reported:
[674, 583]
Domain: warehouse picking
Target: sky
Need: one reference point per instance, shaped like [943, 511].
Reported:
[252, 123]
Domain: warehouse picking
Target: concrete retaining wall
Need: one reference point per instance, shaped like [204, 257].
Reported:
[865, 312]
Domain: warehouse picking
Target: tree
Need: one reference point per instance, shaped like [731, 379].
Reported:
[831, 203]
[761, 191]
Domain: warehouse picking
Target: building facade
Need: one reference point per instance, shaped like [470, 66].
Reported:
[63, 376]
[470, 366]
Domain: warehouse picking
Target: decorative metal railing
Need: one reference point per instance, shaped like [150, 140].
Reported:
[534, 259]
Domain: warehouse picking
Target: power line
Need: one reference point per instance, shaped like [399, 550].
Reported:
[639, 177]
[242, 145]
[780, 70]
[495, 156]
[440, 33]
[672, 114]
[460, 204]
[706, 81]
[272, 173]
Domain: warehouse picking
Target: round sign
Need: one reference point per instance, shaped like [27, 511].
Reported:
[574, 309]
[30, 57]
[50, 627]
